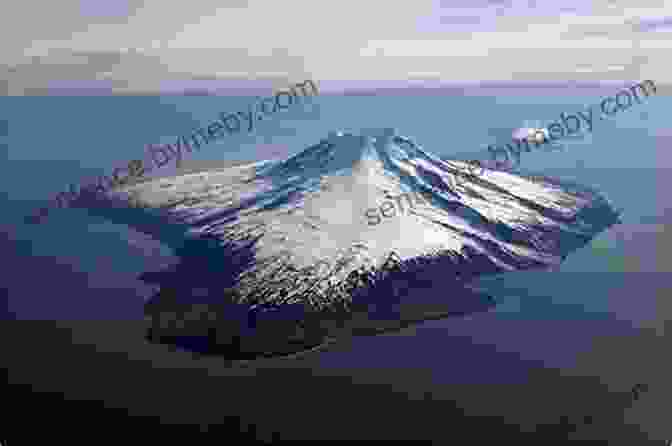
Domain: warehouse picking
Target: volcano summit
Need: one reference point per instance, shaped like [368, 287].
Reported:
[277, 256]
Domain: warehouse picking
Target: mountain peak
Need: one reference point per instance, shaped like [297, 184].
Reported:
[341, 151]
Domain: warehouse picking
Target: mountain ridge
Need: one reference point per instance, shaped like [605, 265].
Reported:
[292, 233]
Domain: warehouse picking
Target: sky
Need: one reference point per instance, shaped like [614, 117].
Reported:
[157, 46]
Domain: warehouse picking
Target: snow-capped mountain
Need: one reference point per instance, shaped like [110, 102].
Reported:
[296, 230]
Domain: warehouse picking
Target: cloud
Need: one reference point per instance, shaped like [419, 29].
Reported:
[460, 20]
[135, 72]
[143, 46]
[664, 24]
[107, 11]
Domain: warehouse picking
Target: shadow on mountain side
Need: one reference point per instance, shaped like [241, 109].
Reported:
[237, 332]
[199, 308]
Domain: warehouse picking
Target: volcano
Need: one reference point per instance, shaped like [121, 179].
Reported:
[278, 256]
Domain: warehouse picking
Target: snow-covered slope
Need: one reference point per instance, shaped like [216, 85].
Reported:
[298, 227]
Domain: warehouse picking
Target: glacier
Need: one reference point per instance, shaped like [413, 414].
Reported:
[277, 256]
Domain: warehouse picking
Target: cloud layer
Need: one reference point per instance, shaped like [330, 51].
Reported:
[137, 46]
